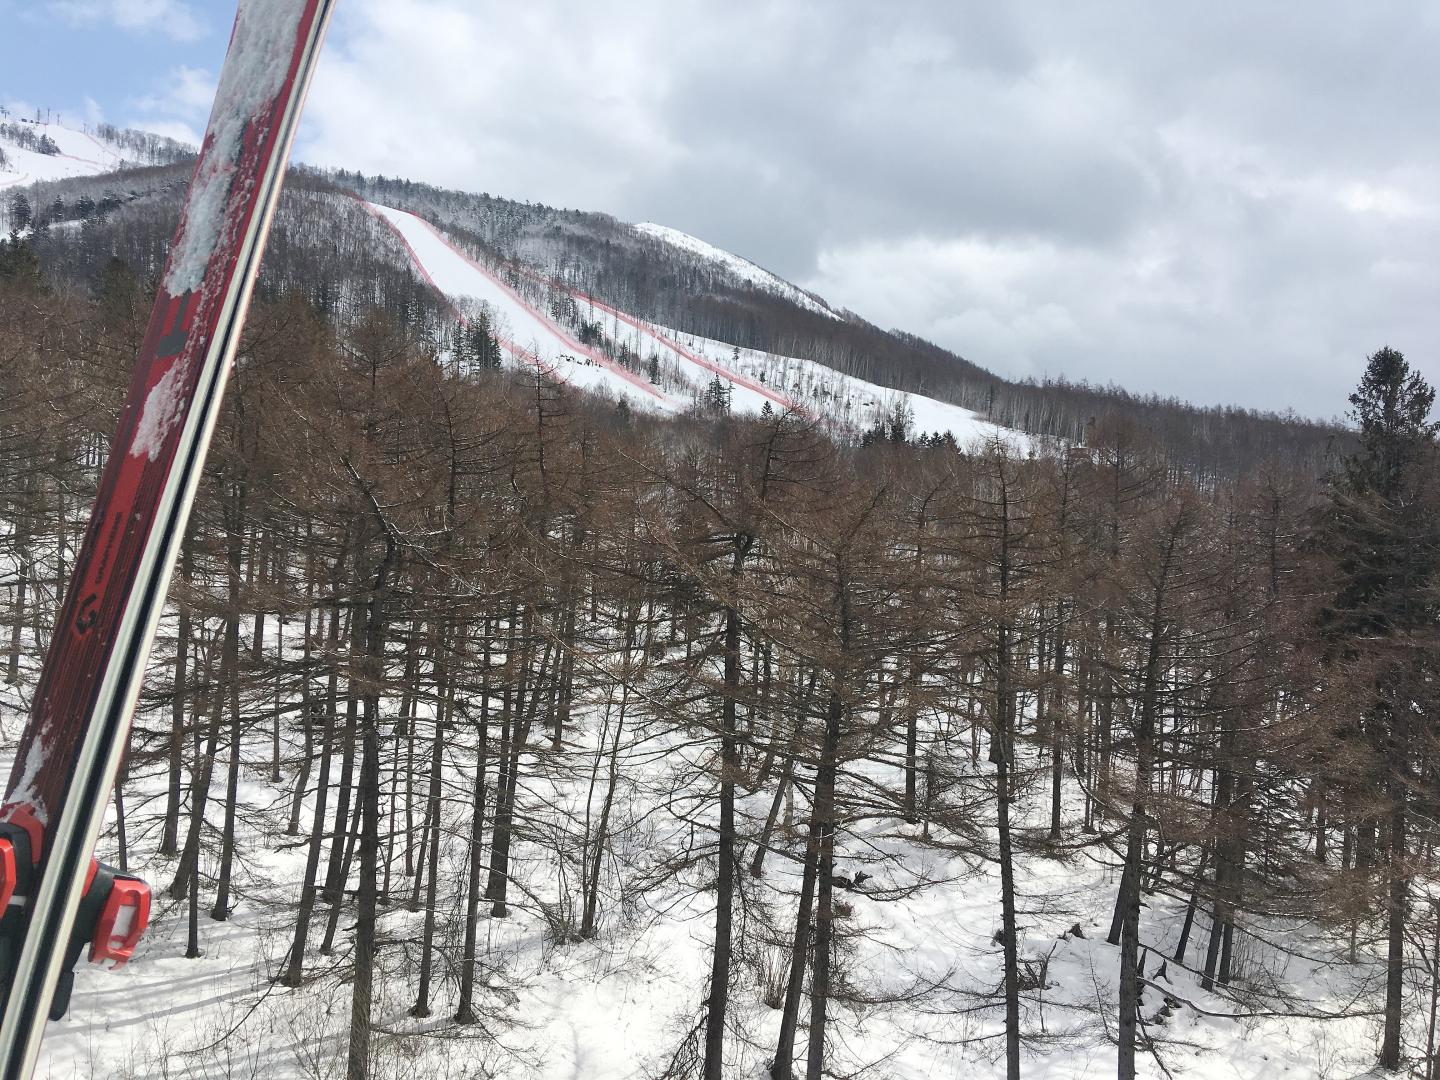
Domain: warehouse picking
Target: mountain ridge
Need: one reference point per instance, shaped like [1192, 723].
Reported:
[696, 289]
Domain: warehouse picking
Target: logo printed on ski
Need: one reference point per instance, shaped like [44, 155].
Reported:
[86, 619]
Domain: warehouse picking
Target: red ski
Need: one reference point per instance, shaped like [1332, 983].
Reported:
[68, 754]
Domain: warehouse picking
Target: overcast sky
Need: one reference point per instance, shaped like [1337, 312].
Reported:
[1230, 202]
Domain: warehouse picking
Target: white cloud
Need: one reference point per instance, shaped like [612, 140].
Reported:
[179, 107]
[174, 18]
[186, 91]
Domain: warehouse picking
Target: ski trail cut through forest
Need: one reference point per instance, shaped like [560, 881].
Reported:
[680, 351]
[517, 351]
[466, 277]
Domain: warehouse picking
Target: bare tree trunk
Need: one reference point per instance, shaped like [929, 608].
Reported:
[1057, 734]
[307, 717]
[170, 837]
[25, 570]
[783, 1067]
[295, 966]
[230, 661]
[522, 717]
[591, 886]
[358, 1065]
[185, 871]
[465, 1012]
[824, 874]
[444, 707]
[1396, 902]
[1128, 904]
[719, 996]
[1001, 751]
[1191, 907]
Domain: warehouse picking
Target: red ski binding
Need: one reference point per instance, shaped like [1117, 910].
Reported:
[114, 908]
[122, 921]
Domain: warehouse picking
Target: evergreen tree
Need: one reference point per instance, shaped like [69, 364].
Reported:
[20, 214]
[19, 264]
[1383, 530]
[717, 395]
[117, 289]
[482, 348]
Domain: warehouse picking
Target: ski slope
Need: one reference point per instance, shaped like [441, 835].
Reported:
[744, 269]
[522, 330]
[80, 154]
[754, 379]
[687, 364]
[842, 400]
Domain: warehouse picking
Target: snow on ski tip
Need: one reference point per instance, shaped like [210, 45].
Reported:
[263, 37]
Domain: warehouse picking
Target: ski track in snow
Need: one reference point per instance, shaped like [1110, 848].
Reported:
[77, 157]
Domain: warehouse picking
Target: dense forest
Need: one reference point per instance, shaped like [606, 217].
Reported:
[480, 651]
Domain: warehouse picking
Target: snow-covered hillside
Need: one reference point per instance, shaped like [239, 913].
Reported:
[527, 335]
[587, 676]
[686, 364]
[743, 269]
[79, 154]
[612, 1008]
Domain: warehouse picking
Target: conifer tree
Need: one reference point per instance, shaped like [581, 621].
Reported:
[1383, 530]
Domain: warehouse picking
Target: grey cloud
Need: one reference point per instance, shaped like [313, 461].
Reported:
[1226, 202]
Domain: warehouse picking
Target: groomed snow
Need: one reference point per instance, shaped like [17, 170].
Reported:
[849, 403]
[80, 154]
[755, 379]
[525, 333]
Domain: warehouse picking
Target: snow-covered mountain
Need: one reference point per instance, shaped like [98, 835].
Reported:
[741, 268]
[610, 1006]
[655, 367]
[675, 370]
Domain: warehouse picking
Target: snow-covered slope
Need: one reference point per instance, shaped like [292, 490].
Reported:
[81, 154]
[744, 269]
[614, 1007]
[849, 403]
[526, 334]
[686, 364]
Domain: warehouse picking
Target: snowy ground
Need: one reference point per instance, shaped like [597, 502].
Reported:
[616, 1007]
[526, 334]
